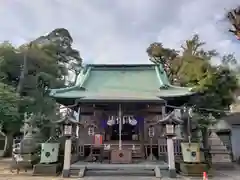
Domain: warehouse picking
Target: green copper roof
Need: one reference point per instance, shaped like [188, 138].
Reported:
[121, 82]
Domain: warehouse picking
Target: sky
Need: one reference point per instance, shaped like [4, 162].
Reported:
[119, 31]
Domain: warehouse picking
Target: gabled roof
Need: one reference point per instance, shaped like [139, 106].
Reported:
[138, 82]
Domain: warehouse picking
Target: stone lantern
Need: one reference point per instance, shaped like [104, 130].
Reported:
[69, 126]
[171, 121]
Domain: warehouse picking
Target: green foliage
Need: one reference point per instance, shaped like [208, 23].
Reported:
[9, 100]
[215, 85]
[58, 44]
[42, 64]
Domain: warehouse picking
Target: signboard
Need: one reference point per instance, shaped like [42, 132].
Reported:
[98, 139]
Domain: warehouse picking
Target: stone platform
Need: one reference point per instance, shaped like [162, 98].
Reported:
[47, 169]
[139, 168]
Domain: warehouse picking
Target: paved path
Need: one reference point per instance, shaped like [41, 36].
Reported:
[5, 174]
[21, 177]
[220, 175]
[86, 178]
[24, 176]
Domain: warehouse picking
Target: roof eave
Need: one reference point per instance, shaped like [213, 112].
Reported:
[54, 92]
[109, 99]
[122, 100]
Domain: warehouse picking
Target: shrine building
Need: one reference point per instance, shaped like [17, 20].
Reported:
[124, 118]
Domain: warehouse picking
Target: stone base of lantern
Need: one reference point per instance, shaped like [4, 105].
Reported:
[47, 169]
[193, 169]
[172, 173]
[66, 173]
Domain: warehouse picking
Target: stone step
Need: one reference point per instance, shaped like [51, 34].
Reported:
[122, 172]
[111, 172]
[125, 172]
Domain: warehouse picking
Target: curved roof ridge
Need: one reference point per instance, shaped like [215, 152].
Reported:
[121, 65]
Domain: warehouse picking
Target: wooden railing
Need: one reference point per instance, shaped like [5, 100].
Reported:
[162, 148]
[74, 151]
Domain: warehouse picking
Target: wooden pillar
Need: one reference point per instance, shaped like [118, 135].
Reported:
[67, 158]
[141, 135]
[163, 116]
[163, 111]
[120, 115]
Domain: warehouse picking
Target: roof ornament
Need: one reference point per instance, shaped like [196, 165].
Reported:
[171, 118]
[67, 115]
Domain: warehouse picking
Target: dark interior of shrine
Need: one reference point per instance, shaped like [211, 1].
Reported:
[127, 133]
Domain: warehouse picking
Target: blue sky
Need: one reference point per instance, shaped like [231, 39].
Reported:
[119, 31]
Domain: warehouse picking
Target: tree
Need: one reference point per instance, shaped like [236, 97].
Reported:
[33, 68]
[58, 44]
[194, 69]
[233, 17]
[9, 116]
[44, 63]
[214, 85]
[177, 66]
[210, 81]
[159, 54]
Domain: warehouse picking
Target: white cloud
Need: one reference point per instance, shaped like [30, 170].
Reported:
[119, 31]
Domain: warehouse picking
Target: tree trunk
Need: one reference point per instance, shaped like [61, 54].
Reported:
[23, 75]
[2, 150]
[7, 152]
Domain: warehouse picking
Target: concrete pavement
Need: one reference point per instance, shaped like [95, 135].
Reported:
[219, 175]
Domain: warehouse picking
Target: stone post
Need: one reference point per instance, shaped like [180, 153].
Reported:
[170, 121]
[67, 158]
[171, 158]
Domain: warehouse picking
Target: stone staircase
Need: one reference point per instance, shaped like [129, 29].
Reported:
[221, 156]
[113, 172]
[138, 167]
[82, 169]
